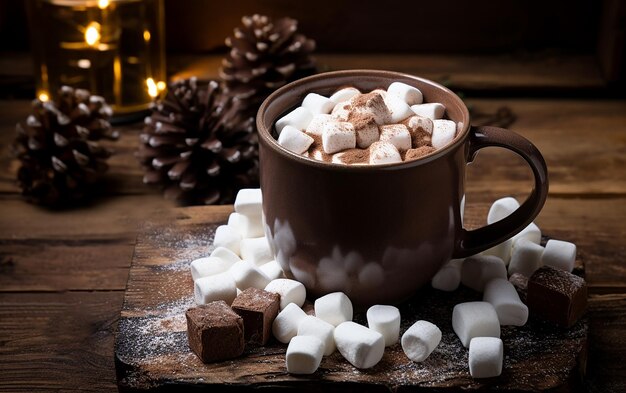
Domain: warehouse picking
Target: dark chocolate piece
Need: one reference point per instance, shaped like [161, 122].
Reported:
[215, 332]
[557, 296]
[258, 308]
[520, 282]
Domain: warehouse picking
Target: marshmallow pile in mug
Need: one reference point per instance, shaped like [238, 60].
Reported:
[379, 127]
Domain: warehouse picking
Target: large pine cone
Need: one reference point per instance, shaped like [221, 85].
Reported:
[264, 55]
[58, 147]
[195, 145]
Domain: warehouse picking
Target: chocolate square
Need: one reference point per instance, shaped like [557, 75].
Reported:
[215, 332]
[557, 296]
[258, 308]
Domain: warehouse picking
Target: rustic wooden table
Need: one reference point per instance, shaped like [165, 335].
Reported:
[63, 274]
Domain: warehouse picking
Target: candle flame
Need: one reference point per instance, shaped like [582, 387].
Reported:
[146, 35]
[92, 34]
[102, 4]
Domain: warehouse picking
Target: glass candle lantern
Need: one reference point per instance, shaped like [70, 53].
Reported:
[114, 48]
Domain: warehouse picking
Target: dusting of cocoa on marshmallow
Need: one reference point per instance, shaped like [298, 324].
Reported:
[414, 154]
[317, 148]
[356, 156]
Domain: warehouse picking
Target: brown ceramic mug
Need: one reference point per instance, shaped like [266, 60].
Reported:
[379, 232]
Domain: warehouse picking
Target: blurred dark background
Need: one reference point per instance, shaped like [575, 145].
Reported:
[560, 29]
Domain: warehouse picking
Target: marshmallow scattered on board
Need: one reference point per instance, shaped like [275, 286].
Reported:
[290, 291]
[285, 325]
[361, 346]
[249, 201]
[313, 326]
[531, 233]
[448, 277]
[501, 294]
[226, 254]
[246, 274]
[304, 354]
[248, 226]
[485, 357]
[420, 340]
[386, 321]
[501, 208]
[334, 308]
[475, 319]
[477, 270]
[256, 250]
[228, 237]
[216, 287]
[272, 270]
[208, 266]
[559, 254]
[525, 257]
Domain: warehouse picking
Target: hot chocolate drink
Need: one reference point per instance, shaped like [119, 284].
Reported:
[355, 128]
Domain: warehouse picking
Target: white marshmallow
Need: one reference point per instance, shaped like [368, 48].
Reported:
[248, 226]
[525, 257]
[338, 136]
[398, 109]
[420, 340]
[432, 110]
[505, 300]
[531, 232]
[249, 202]
[256, 250]
[396, 134]
[290, 291]
[384, 153]
[386, 321]
[409, 94]
[477, 270]
[341, 111]
[485, 357]
[371, 275]
[316, 126]
[344, 94]
[298, 118]
[304, 355]
[559, 254]
[374, 105]
[313, 326]
[225, 254]
[475, 319]
[334, 308]
[448, 277]
[228, 237]
[247, 275]
[217, 287]
[366, 133]
[285, 325]
[204, 267]
[501, 208]
[294, 140]
[415, 123]
[361, 346]
[502, 251]
[272, 270]
[318, 103]
[444, 132]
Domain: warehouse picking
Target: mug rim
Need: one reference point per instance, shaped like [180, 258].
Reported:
[273, 144]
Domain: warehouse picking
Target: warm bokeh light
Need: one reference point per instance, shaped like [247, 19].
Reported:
[160, 86]
[43, 96]
[146, 35]
[153, 91]
[92, 34]
[102, 4]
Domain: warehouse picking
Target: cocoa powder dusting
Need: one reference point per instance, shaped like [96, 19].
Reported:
[356, 156]
[317, 146]
[414, 154]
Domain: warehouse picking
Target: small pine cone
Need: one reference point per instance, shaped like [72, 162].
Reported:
[61, 159]
[264, 55]
[196, 147]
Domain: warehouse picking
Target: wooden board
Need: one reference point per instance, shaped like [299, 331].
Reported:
[151, 351]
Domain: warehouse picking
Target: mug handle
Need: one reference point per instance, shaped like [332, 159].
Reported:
[477, 240]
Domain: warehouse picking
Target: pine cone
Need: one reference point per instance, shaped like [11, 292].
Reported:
[196, 147]
[264, 55]
[58, 147]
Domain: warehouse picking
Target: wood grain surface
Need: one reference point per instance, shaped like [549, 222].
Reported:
[62, 274]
